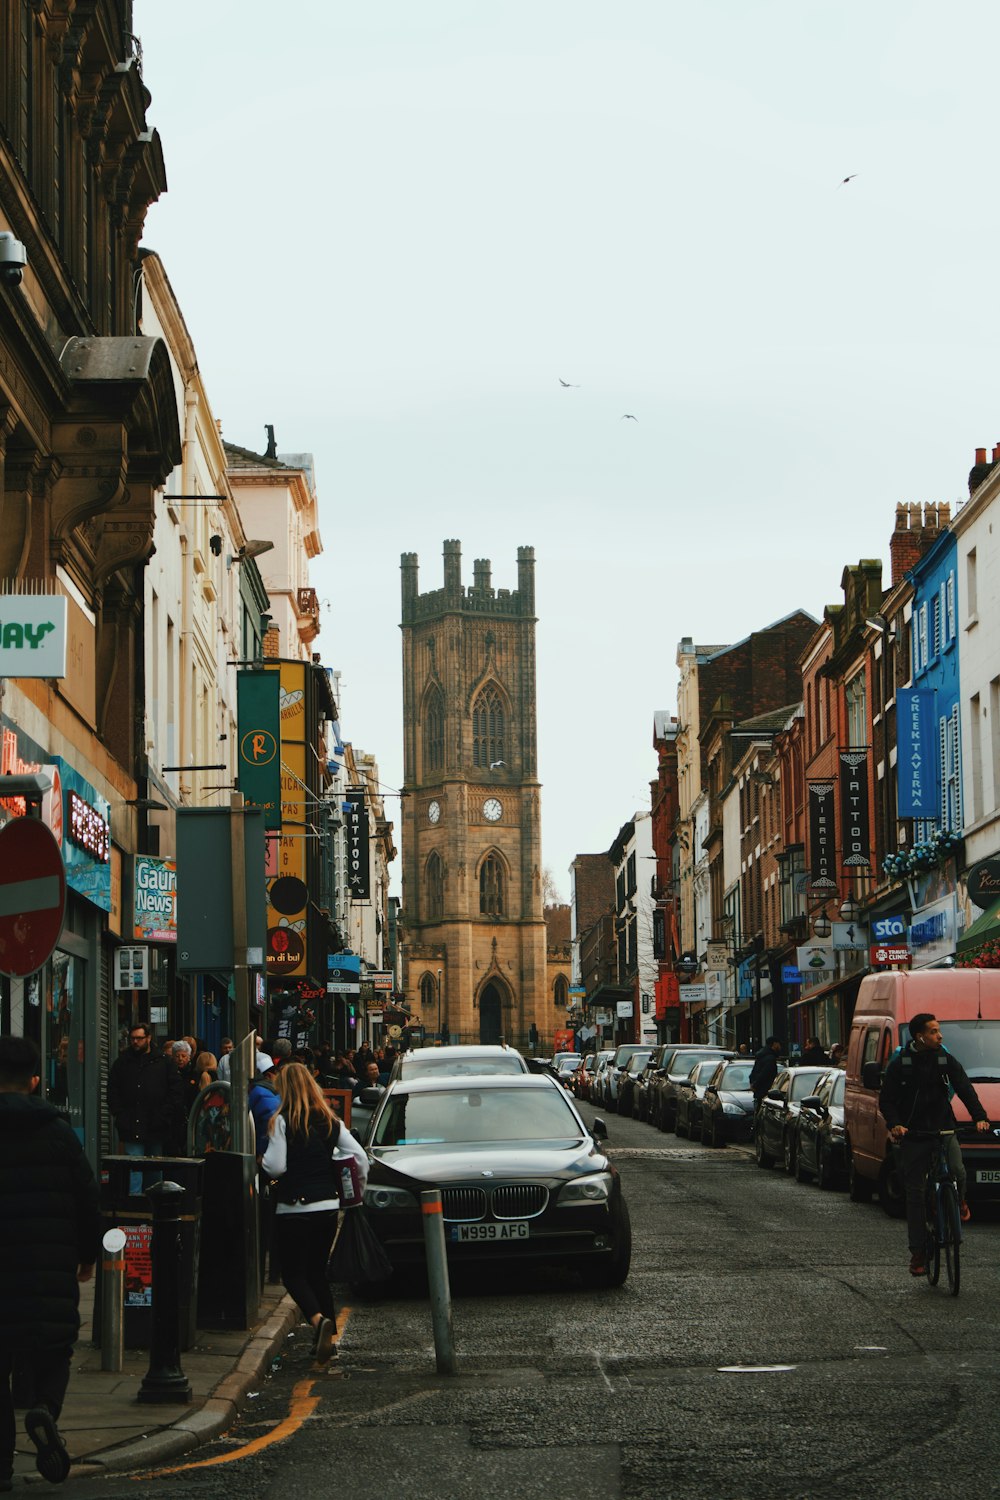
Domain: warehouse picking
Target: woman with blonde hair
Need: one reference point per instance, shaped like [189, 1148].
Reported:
[303, 1135]
[206, 1067]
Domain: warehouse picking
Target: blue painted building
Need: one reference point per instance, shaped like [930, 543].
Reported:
[929, 767]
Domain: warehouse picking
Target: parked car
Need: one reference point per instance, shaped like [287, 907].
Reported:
[617, 1066]
[820, 1151]
[470, 1060]
[776, 1124]
[589, 1084]
[690, 1093]
[673, 1073]
[727, 1106]
[642, 1092]
[564, 1065]
[605, 1060]
[629, 1077]
[521, 1177]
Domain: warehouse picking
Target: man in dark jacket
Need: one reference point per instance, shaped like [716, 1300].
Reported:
[765, 1069]
[813, 1055]
[50, 1234]
[144, 1099]
[915, 1097]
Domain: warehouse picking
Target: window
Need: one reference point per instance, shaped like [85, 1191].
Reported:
[434, 732]
[976, 746]
[560, 992]
[630, 876]
[920, 641]
[995, 737]
[488, 729]
[428, 995]
[951, 785]
[949, 597]
[434, 888]
[971, 586]
[492, 883]
[857, 711]
[936, 626]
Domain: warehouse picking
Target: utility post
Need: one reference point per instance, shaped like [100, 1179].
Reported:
[239, 1126]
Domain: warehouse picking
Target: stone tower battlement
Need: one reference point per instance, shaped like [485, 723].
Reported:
[479, 598]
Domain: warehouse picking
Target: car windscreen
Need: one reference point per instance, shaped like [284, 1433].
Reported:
[976, 1044]
[704, 1070]
[480, 1116]
[737, 1077]
[686, 1061]
[637, 1062]
[804, 1084]
[460, 1067]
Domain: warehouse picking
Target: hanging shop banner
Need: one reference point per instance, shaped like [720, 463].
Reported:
[154, 899]
[854, 809]
[32, 635]
[86, 829]
[343, 974]
[356, 830]
[822, 837]
[918, 794]
[259, 736]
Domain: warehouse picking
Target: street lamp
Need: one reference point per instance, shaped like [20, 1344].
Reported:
[821, 925]
[850, 911]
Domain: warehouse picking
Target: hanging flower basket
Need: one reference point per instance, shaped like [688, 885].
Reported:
[928, 855]
[985, 957]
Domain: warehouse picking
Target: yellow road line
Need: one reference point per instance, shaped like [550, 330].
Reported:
[302, 1405]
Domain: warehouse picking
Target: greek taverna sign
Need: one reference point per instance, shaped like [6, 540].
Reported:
[32, 635]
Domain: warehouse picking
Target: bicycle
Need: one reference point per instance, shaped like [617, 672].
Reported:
[944, 1219]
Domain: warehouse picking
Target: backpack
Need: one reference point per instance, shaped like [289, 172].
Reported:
[906, 1058]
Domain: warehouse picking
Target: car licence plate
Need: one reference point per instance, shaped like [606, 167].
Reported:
[470, 1233]
[984, 1175]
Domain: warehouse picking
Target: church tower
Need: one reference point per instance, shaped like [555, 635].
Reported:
[474, 944]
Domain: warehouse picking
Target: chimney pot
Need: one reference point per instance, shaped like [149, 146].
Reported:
[980, 455]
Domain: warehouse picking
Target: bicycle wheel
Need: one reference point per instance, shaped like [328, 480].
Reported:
[933, 1238]
[951, 1236]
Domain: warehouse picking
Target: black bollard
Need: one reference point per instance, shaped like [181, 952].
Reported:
[165, 1380]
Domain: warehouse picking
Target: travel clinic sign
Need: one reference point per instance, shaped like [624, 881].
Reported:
[32, 635]
[154, 900]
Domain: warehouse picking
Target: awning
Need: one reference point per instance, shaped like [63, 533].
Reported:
[839, 985]
[984, 927]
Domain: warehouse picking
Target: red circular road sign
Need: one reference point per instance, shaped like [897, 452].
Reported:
[32, 896]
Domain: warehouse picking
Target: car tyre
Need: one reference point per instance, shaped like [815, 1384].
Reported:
[677, 1127]
[717, 1133]
[761, 1157]
[859, 1189]
[892, 1190]
[799, 1172]
[613, 1271]
[824, 1169]
[789, 1153]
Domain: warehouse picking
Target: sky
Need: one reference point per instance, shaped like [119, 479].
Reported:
[394, 228]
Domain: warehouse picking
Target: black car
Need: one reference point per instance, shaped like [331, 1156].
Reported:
[727, 1106]
[821, 1152]
[642, 1092]
[672, 1075]
[776, 1125]
[629, 1077]
[697, 1054]
[689, 1096]
[522, 1178]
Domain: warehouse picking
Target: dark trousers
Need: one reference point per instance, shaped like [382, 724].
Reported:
[47, 1375]
[915, 1160]
[303, 1242]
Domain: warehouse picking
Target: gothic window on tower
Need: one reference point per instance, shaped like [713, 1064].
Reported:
[434, 732]
[488, 729]
[428, 996]
[492, 887]
[434, 888]
[560, 991]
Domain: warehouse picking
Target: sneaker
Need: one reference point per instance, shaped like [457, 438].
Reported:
[918, 1264]
[325, 1349]
[964, 1212]
[53, 1460]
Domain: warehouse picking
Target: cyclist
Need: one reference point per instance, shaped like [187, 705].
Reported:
[916, 1095]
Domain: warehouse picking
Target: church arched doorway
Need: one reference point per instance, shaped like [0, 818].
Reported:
[490, 1015]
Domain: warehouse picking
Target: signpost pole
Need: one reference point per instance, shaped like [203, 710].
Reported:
[240, 1133]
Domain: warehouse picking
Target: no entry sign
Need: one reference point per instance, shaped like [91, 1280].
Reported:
[32, 896]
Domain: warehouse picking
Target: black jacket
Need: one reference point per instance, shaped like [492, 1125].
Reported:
[815, 1057]
[144, 1096]
[764, 1072]
[311, 1174]
[915, 1090]
[49, 1225]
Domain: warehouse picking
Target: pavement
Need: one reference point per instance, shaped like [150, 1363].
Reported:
[106, 1430]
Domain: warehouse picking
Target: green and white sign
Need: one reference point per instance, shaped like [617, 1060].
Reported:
[32, 635]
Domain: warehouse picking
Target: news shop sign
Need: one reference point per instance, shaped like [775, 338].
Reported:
[32, 635]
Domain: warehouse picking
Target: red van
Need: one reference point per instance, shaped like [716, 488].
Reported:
[967, 1004]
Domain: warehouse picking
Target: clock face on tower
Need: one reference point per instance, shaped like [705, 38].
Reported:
[492, 809]
[434, 812]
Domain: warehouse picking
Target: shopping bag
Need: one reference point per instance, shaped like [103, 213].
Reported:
[357, 1256]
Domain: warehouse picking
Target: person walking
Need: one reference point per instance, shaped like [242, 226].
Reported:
[144, 1098]
[303, 1135]
[50, 1236]
[916, 1096]
[765, 1069]
[813, 1055]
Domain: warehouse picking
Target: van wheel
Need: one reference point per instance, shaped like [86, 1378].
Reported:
[891, 1189]
[859, 1189]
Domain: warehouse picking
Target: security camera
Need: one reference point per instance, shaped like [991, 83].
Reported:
[13, 259]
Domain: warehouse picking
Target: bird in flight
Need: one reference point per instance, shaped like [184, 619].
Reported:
[628, 417]
[567, 385]
[847, 180]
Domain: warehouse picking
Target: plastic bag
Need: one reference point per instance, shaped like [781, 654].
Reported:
[357, 1256]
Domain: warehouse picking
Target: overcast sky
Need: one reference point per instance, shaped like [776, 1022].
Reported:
[393, 227]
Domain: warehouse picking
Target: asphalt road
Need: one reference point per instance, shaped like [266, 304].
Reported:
[874, 1384]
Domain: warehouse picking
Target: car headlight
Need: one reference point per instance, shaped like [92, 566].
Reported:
[593, 1189]
[733, 1109]
[389, 1197]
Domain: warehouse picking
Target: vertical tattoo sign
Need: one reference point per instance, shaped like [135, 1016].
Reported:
[822, 837]
[854, 808]
[356, 828]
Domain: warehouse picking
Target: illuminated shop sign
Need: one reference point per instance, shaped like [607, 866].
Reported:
[88, 829]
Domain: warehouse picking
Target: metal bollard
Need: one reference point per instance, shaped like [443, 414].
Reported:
[165, 1380]
[437, 1277]
[113, 1301]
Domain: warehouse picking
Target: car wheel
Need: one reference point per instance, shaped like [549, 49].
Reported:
[824, 1171]
[789, 1153]
[800, 1172]
[891, 1188]
[761, 1157]
[613, 1271]
[717, 1132]
[859, 1189]
[677, 1126]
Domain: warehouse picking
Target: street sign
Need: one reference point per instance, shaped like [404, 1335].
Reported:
[849, 936]
[889, 953]
[691, 994]
[815, 956]
[624, 1008]
[717, 956]
[32, 896]
[884, 929]
[790, 974]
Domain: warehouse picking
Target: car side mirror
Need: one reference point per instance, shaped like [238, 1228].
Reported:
[814, 1102]
[776, 1095]
[599, 1129]
[871, 1075]
[368, 1098]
